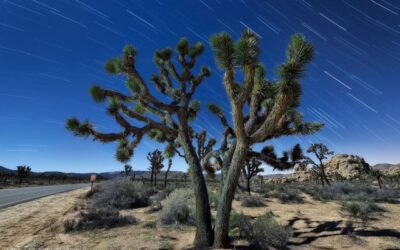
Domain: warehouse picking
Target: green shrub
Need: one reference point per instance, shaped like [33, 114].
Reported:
[361, 210]
[150, 224]
[287, 195]
[240, 224]
[178, 208]
[213, 198]
[69, 225]
[120, 194]
[264, 233]
[251, 200]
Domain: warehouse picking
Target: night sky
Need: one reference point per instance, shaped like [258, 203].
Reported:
[51, 52]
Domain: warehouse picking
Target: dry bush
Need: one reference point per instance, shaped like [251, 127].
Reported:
[251, 200]
[178, 208]
[120, 194]
[98, 218]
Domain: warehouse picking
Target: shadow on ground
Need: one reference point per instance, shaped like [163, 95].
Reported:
[318, 229]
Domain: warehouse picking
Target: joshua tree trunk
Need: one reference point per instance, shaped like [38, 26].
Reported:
[204, 234]
[221, 239]
[379, 179]
[155, 179]
[323, 175]
[165, 179]
[248, 185]
[151, 178]
[166, 173]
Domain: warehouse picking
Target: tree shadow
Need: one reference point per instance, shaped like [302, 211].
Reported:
[311, 233]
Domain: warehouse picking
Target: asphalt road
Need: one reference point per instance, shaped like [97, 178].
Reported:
[13, 196]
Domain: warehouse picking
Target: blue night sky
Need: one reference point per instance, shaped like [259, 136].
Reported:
[51, 52]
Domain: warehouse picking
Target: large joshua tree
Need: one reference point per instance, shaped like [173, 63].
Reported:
[165, 118]
[261, 110]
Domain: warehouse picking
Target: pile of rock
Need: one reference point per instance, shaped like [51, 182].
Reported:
[341, 166]
[347, 166]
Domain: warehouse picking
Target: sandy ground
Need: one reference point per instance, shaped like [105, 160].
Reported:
[39, 224]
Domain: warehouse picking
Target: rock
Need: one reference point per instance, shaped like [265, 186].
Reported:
[393, 171]
[341, 166]
[347, 166]
[301, 174]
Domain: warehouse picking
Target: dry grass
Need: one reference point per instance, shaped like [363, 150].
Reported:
[317, 225]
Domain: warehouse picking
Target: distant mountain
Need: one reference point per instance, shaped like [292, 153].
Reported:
[385, 166]
[6, 170]
[107, 175]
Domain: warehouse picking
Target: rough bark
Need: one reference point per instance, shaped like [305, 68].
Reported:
[166, 173]
[248, 185]
[224, 208]
[204, 234]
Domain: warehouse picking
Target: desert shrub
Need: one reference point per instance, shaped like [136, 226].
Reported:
[386, 195]
[239, 224]
[98, 218]
[150, 224]
[287, 195]
[361, 210]
[69, 225]
[251, 200]
[120, 194]
[178, 208]
[341, 188]
[213, 198]
[265, 232]
[89, 194]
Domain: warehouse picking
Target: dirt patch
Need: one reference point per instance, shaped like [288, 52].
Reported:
[33, 223]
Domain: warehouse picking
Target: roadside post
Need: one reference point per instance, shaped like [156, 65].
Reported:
[92, 179]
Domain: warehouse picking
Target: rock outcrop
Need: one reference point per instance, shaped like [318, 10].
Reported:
[340, 166]
[347, 166]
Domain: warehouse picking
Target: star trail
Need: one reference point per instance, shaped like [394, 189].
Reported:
[51, 52]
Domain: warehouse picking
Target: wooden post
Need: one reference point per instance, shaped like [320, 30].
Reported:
[92, 179]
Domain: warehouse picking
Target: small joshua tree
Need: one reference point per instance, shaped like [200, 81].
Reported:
[166, 173]
[251, 169]
[23, 172]
[321, 152]
[127, 170]
[156, 164]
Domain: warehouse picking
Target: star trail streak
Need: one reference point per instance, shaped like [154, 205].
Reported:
[51, 52]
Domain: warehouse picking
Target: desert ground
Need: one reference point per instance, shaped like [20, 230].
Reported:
[316, 225]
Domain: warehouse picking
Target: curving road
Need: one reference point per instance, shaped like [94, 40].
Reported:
[13, 196]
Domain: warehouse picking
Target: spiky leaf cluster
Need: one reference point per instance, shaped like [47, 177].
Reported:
[141, 113]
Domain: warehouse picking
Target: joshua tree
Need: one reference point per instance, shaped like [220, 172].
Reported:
[23, 172]
[261, 110]
[321, 152]
[166, 173]
[165, 118]
[251, 169]
[156, 164]
[378, 176]
[127, 170]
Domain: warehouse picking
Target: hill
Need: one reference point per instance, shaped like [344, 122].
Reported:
[6, 170]
[385, 166]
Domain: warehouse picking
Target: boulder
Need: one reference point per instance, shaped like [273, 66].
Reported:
[347, 166]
